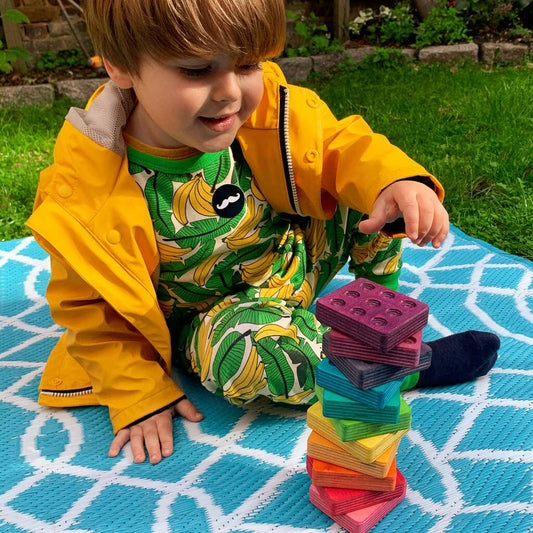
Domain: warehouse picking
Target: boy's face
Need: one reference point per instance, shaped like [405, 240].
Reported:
[191, 102]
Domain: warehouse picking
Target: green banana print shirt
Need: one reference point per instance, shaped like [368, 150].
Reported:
[216, 234]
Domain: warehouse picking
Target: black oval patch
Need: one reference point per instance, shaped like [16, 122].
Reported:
[228, 201]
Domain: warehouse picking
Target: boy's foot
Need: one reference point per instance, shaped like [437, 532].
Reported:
[459, 358]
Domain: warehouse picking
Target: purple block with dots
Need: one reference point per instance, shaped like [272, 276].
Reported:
[407, 353]
[372, 313]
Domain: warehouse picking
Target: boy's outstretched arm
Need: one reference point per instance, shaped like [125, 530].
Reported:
[154, 433]
[425, 217]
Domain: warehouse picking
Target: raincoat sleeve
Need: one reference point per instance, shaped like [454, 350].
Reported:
[345, 162]
[125, 371]
[358, 163]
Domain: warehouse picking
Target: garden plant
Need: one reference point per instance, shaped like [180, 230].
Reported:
[10, 55]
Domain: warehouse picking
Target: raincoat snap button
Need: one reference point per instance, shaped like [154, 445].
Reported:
[113, 236]
[56, 382]
[64, 190]
[311, 156]
[312, 102]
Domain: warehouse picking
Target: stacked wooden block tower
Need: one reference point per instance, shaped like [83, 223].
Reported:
[357, 424]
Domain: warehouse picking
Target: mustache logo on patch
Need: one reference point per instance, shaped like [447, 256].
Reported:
[228, 201]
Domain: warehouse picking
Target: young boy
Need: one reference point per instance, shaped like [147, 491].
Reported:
[196, 208]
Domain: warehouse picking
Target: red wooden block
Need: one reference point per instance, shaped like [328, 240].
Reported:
[342, 501]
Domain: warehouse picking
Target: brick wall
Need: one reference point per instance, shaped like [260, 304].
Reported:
[48, 29]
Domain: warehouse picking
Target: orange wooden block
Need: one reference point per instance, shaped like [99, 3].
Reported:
[318, 447]
[325, 474]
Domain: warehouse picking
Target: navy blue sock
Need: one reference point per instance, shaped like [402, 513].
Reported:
[459, 358]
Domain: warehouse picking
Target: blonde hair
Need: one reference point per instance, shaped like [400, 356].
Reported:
[124, 30]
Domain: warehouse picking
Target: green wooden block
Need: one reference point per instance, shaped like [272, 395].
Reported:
[349, 430]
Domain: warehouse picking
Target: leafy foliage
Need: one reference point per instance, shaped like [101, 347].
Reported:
[449, 22]
[443, 25]
[386, 58]
[491, 18]
[63, 58]
[314, 37]
[386, 26]
[8, 56]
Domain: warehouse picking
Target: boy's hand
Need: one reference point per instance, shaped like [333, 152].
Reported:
[425, 217]
[155, 433]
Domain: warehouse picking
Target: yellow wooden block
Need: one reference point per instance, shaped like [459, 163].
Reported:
[366, 450]
[322, 449]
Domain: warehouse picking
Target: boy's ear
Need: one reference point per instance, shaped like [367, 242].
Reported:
[122, 78]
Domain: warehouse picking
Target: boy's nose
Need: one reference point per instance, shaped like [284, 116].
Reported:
[226, 87]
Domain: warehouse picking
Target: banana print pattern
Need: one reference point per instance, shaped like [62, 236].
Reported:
[235, 291]
[194, 194]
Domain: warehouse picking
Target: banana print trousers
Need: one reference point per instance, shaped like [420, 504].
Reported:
[263, 341]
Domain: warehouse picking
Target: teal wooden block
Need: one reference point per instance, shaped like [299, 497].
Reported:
[331, 378]
[337, 406]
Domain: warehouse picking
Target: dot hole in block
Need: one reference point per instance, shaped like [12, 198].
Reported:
[394, 312]
[338, 301]
[389, 295]
[353, 294]
[368, 286]
[379, 321]
[408, 303]
[372, 302]
[358, 311]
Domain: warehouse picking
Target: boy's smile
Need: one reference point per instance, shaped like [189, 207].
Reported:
[200, 103]
[220, 124]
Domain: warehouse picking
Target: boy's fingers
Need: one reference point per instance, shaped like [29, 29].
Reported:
[427, 224]
[376, 220]
[153, 446]
[438, 228]
[137, 444]
[370, 225]
[187, 410]
[121, 438]
[164, 428]
[411, 216]
[443, 232]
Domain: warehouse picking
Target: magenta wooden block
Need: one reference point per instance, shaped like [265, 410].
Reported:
[373, 314]
[407, 353]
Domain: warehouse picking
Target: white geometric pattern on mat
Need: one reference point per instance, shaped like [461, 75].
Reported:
[467, 458]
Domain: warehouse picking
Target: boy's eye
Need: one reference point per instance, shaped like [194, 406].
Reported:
[253, 67]
[204, 71]
[195, 72]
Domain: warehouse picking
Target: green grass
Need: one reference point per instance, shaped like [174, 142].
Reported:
[471, 127]
[27, 136]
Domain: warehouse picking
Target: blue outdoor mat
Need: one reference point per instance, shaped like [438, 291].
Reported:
[467, 458]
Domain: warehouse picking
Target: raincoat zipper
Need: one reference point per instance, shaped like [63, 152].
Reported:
[285, 146]
[67, 393]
